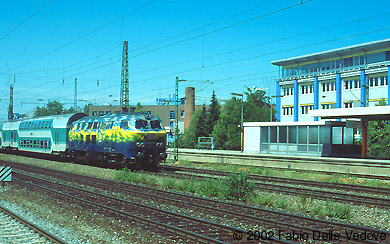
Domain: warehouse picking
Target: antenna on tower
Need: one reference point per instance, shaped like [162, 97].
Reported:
[125, 97]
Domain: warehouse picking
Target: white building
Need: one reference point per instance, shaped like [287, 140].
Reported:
[354, 76]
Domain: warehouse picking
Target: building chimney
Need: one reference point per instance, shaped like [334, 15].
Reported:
[189, 106]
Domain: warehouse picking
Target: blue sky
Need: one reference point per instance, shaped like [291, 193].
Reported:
[229, 43]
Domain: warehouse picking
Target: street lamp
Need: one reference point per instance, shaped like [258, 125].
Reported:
[242, 117]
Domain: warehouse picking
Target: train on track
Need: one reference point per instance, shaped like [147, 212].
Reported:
[107, 139]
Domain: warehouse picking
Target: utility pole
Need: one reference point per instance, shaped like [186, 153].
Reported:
[176, 155]
[176, 149]
[124, 97]
[11, 103]
[75, 95]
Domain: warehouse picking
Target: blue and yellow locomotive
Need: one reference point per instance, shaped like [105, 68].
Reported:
[115, 138]
[119, 138]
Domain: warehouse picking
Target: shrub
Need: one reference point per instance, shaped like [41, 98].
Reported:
[238, 187]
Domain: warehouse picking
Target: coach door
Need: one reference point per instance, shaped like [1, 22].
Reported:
[14, 139]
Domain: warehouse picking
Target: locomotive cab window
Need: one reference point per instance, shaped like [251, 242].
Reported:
[156, 124]
[141, 124]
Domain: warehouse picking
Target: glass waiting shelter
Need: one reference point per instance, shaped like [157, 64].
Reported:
[316, 138]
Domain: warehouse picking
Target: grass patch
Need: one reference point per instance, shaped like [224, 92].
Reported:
[237, 187]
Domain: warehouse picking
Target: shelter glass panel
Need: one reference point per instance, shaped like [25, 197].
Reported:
[264, 134]
[282, 134]
[324, 134]
[337, 135]
[273, 134]
[292, 134]
[302, 134]
[348, 135]
[313, 134]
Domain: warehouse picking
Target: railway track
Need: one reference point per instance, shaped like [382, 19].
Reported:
[157, 220]
[281, 180]
[16, 229]
[272, 222]
[274, 185]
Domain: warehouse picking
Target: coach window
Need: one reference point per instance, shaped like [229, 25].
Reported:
[95, 125]
[88, 139]
[89, 125]
[82, 126]
[81, 138]
[103, 125]
[109, 125]
[124, 125]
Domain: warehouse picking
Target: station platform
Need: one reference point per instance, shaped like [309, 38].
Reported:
[373, 167]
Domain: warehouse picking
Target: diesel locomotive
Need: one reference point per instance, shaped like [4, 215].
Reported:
[108, 139]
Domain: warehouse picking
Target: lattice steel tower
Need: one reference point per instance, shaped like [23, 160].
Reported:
[125, 97]
[11, 103]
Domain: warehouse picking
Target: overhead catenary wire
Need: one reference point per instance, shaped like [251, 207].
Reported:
[233, 60]
[86, 35]
[238, 60]
[24, 21]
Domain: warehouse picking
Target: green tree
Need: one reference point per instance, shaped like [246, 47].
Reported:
[71, 110]
[226, 133]
[201, 129]
[257, 106]
[188, 138]
[86, 108]
[51, 108]
[138, 108]
[378, 135]
[212, 114]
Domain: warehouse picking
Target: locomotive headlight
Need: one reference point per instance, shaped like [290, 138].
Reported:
[140, 144]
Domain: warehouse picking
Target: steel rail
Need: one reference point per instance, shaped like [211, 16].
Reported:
[293, 190]
[40, 231]
[291, 220]
[338, 186]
